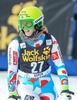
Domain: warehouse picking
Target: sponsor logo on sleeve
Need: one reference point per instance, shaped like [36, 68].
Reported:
[15, 58]
[54, 55]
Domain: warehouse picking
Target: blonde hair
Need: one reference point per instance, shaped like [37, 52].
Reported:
[44, 29]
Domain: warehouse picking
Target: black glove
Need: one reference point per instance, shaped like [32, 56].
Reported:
[69, 93]
[14, 97]
[65, 95]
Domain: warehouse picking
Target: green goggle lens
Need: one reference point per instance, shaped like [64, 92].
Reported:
[26, 24]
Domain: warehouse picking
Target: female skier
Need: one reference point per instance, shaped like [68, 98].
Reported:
[29, 54]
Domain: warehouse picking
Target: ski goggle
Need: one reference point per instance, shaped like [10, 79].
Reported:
[28, 24]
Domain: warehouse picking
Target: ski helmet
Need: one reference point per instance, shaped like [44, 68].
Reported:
[29, 17]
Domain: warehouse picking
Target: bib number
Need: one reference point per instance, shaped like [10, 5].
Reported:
[34, 66]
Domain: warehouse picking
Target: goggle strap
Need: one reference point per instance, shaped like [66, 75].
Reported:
[38, 19]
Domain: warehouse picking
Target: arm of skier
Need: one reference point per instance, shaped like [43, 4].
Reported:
[12, 68]
[59, 64]
[61, 71]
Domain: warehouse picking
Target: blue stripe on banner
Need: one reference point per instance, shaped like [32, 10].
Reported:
[3, 62]
[75, 7]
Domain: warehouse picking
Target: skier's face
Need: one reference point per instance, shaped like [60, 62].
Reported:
[28, 32]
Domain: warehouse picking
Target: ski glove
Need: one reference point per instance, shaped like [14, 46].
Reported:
[13, 97]
[65, 95]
